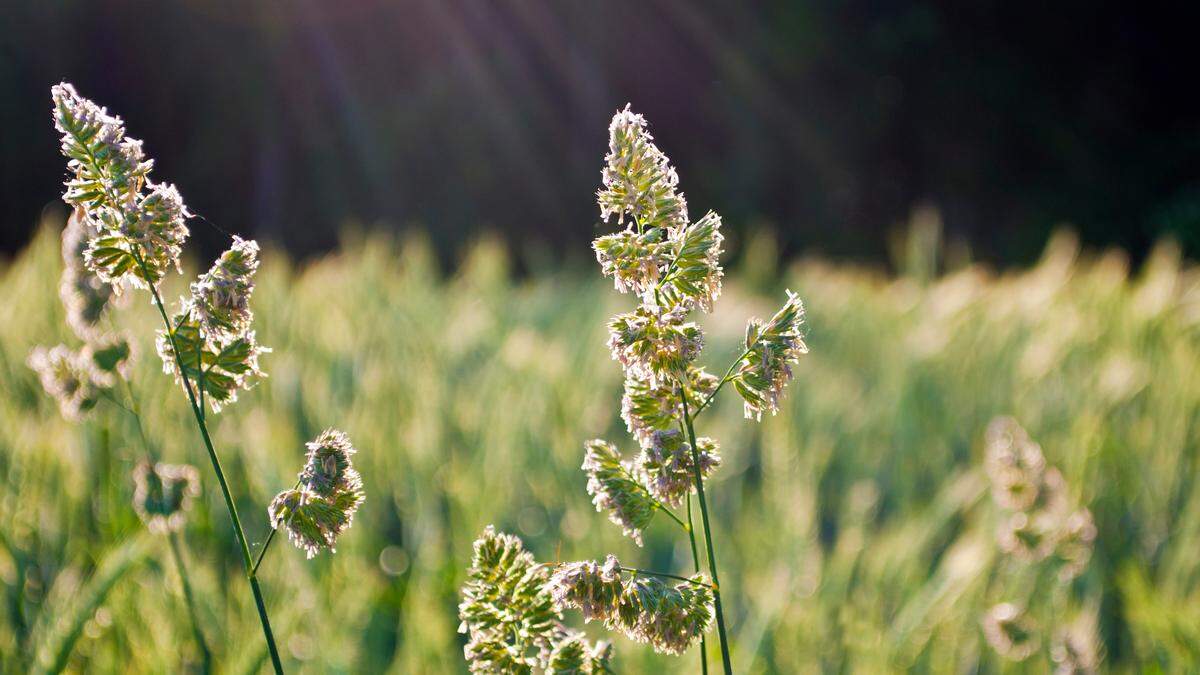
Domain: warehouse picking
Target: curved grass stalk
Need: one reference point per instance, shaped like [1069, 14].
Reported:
[251, 576]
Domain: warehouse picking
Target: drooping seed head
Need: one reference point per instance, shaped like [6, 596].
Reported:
[221, 297]
[616, 489]
[771, 350]
[330, 492]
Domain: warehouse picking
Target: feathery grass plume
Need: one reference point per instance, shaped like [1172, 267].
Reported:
[322, 506]
[70, 377]
[654, 345]
[772, 348]
[694, 274]
[140, 225]
[615, 488]
[666, 464]
[163, 494]
[1012, 633]
[84, 295]
[510, 618]
[574, 655]
[221, 297]
[669, 618]
[638, 178]
[136, 229]
[634, 260]
[218, 350]
[647, 409]
[593, 589]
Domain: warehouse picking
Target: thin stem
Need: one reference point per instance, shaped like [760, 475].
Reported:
[216, 463]
[696, 562]
[712, 557]
[267, 544]
[263, 552]
[190, 600]
[648, 573]
[727, 378]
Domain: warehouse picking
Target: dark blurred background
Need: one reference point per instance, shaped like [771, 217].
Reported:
[828, 121]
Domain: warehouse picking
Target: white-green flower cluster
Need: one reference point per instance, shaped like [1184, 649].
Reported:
[666, 462]
[668, 617]
[328, 494]
[511, 620]
[647, 409]
[77, 378]
[217, 348]
[163, 494]
[617, 487]
[771, 349]
[139, 225]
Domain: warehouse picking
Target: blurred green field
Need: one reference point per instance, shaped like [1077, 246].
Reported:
[854, 530]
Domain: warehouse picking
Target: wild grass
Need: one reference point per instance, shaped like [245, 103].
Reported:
[856, 528]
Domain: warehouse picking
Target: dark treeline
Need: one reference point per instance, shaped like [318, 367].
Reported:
[828, 121]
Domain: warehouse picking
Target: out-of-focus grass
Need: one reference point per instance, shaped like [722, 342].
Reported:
[854, 529]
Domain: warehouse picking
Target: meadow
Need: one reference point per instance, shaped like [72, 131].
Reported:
[856, 529]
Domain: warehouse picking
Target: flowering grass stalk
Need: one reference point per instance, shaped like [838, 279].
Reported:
[130, 232]
[672, 266]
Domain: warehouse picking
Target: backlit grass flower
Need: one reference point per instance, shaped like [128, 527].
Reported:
[70, 377]
[666, 463]
[634, 260]
[322, 506]
[221, 297]
[639, 181]
[163, 494]
[140, 225]
[647, 409]
[510, 618]
[771, 349]
[694, 273]
[654, 346]
[670, 618]
[572, 654]
[1012, 633]
[593, 589]
[218, 366]
[107, 166]
[217, 349]
[616, 489]
[644, 608]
